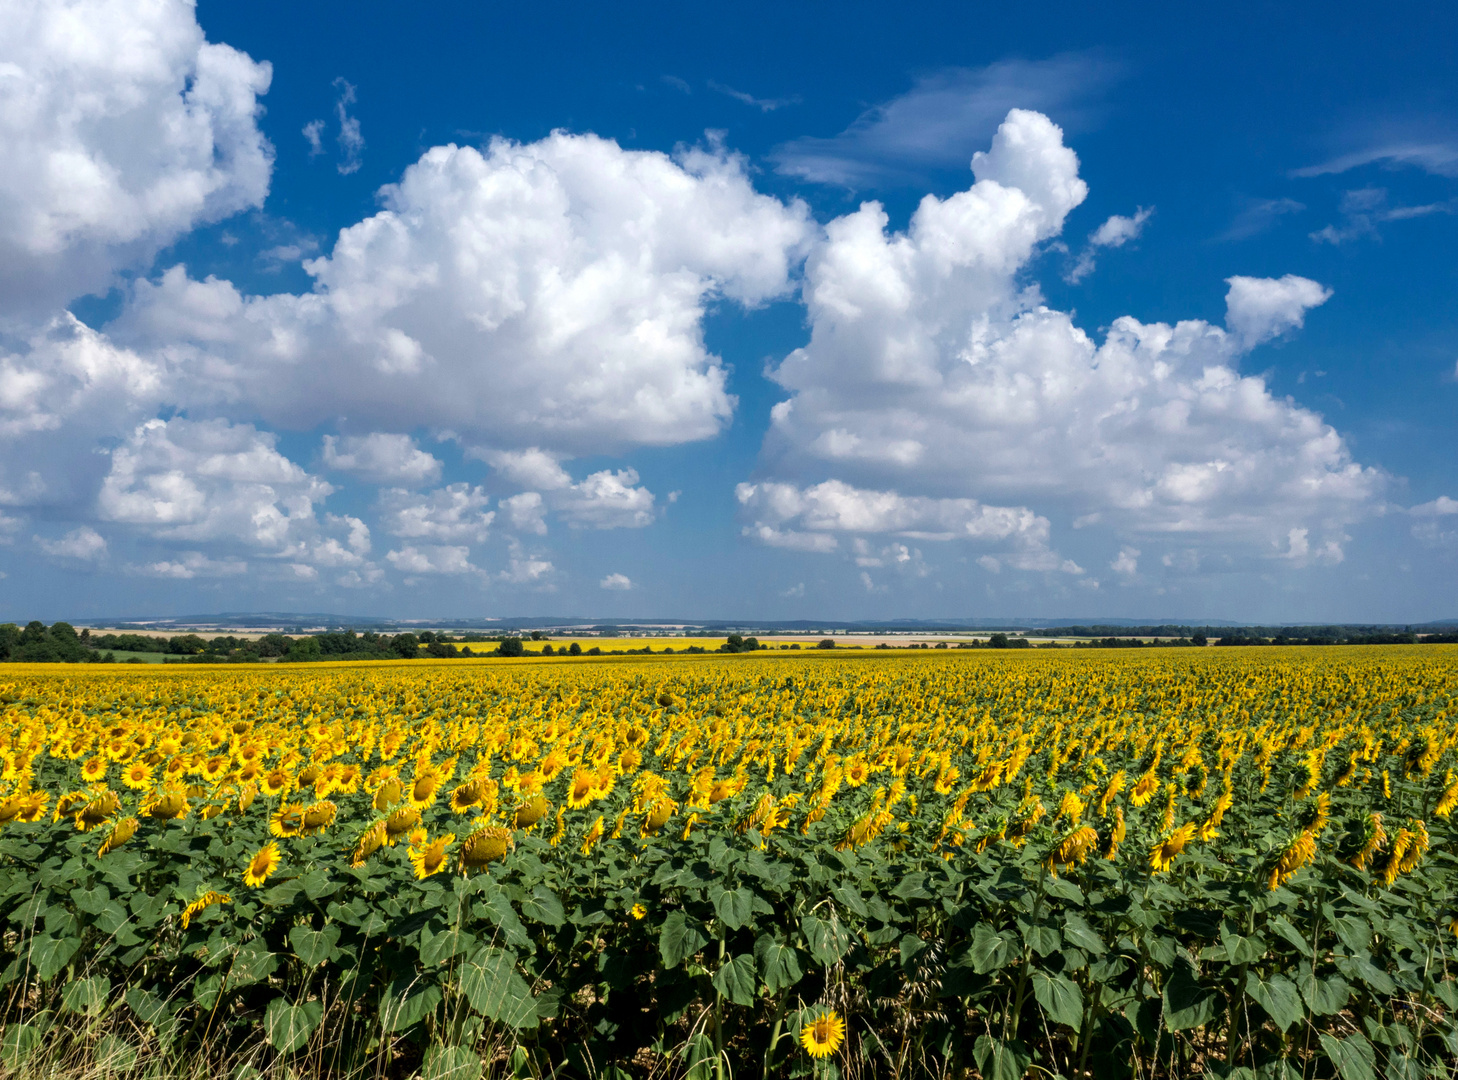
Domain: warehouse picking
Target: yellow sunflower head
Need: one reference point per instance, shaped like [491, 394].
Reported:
[263, 863]
[822, 1032]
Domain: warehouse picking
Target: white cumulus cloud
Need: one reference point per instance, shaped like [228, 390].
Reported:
[84, 543]
[381, 458]
[432, 559]
[548, 294]
[934, 374]
[121, 128]
[456, 512]
[616, 583]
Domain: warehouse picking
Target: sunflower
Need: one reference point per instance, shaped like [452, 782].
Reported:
[288, 820]
[486, 845]
[214, 768]
[370, 841]
[532, 811]
[97, 810]
[1073, 848]
[264, 862]
[1296, 854]
[857, 771]
[198, 906]
[1164, 853]
[166, 803]
[424, 788]
[430, 857]
[822, 1035]
[137, 776]
[93, 769]
[638, 911]
[400, 823]
[657, 816]
[594, 834]
[466, 796]
[583, 788]
[388, 794]
[319, 817]
[275, 782]
[121, 832]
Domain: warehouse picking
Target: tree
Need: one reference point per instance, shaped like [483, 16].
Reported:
[997, 641]
[826, 643]
[574, 649]
[406, 646]
[511, 646]
[1200, 639]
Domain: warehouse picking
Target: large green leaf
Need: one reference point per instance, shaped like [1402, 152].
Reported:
[86, 996]
[1354, 1057]
[1278, 996]
[999, 1060]
[679, 939]
[1325, 997]
[490, 982]
[1187, 1004]
[779, 965]
[827, 940]
[313, 947]
[451, 1063]
[17, 1045]
[51, 954]
[735, 907]
[438, 948]
[408, 1002]
[543, 906]
[287, 1027]
[1060, 997]
[735, 979]
[990, 949]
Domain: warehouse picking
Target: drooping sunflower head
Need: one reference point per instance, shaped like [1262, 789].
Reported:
[370, 842]
[532, 811]
[399, 823]
[97, 810]
[319, 816]
[202, 903]
[424, 788]
[822, 1032]
[121, 832]
[486, 845]
[288, 820]
[388, 794]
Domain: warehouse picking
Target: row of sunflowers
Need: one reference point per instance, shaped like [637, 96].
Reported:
[1169, 862]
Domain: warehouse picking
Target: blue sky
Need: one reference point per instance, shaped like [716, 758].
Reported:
[709, 312]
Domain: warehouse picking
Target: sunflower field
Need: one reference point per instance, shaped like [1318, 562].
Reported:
[1164, 863]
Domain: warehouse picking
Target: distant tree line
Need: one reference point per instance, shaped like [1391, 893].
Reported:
[1117, 636]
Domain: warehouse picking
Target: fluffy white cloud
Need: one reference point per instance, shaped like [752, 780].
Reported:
[1117, 231]
[210, 480]
[456, 512]
[1258, 309]
[523, 568]
[604, 500]
[616, 583]
[548, 294]
[1437, 522]
[191, 564]
[933, 374]
[526, 512]
[432, 559]
[84, 543]
[381, 458]
[121, 128]
[1126, 564]
[809, 519]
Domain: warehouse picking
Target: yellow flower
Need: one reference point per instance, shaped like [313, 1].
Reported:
[1298, 853]
[1073, 848]
[638, 911]
[1162, 854]
[400, 823]
[288, 820]
[486, 845]
[97, 810]
[594, 834]
[370, 841]
[423, 791]
[264, 862]
[532, 811]
[93, 769]
[822, 1035]
[121, 832]
[207, 900]
[137, 776]
[430, 858]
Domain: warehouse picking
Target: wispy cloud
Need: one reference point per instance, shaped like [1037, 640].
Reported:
[762, 104]
[1439, 158]
[945, 117]
[1259, 215]
[1364, 209]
